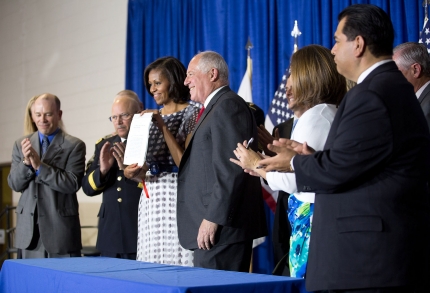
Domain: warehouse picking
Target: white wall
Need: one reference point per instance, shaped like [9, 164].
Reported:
[74, 49]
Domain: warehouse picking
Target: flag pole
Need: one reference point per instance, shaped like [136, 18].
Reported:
[245, 88]
[425, 5]
[296, 33]
[248, 47]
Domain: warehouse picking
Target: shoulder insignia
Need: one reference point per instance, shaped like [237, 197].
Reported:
[106, 137]
[109, 135]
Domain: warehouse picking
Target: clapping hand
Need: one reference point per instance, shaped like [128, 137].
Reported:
[247, 159]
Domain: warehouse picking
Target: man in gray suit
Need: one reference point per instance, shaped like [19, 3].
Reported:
[413, 61]
[47, 168]
[220, 207]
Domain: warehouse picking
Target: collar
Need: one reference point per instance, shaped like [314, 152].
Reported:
[366, 72]
[420, 91]
[50, 137]
[209, 98]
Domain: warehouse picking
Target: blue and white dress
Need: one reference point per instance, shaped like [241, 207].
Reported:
[157, 239]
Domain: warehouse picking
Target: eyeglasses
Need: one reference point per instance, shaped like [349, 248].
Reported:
[123, 116]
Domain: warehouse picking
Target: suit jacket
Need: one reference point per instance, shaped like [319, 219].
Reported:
[281, 225]
[53, 191]
[119, 209]
[210, 186]
[424, 101]
[371, 201]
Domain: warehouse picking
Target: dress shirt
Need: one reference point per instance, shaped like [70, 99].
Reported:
[209, 98]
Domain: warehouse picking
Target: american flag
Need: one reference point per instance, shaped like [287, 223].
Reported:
[425, 35]
[279, 111]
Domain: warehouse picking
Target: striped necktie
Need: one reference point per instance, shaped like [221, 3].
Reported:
[45, 144]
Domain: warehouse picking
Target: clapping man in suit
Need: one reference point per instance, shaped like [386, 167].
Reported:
[220, 208]
[47, 168]
[117, 233]
[413, 61]
[371, 197]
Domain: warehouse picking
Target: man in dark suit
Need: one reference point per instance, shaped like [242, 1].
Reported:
[220, 208]
[370, 227]
[413, 61]
[47, 168]
[117, 233]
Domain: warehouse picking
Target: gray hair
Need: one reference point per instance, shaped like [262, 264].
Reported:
[129, 93]
[211, 59]
[132, 95]
[410, 53]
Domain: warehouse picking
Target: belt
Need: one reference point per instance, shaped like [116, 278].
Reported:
[156, 169]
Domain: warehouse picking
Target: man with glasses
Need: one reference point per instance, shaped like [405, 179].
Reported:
[127, 93]
[117, 233]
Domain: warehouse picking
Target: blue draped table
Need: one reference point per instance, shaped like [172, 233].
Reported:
[98, 274]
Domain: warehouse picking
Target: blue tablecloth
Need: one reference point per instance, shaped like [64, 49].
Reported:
[98, 274]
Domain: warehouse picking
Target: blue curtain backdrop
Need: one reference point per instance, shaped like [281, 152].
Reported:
[182, 28]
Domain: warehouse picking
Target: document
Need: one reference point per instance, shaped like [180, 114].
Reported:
[137, 140]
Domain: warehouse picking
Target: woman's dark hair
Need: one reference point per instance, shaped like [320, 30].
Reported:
[175, 72]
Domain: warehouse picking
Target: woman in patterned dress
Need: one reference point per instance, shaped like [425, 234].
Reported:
[168, 136]
[317, 88]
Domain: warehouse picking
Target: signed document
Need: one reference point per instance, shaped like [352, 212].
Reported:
[137, 140]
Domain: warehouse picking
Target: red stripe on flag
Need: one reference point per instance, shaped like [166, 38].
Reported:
[268, 198]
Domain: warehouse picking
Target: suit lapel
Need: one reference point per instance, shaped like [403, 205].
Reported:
[209, 108]
[202, 118]
[35, 142]
[54, 147]
[424, 94]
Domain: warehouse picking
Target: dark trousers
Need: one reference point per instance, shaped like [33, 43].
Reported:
[118, 255]
[230, 257]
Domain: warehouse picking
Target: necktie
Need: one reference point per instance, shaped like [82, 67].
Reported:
[200, 114]
[45, 144]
